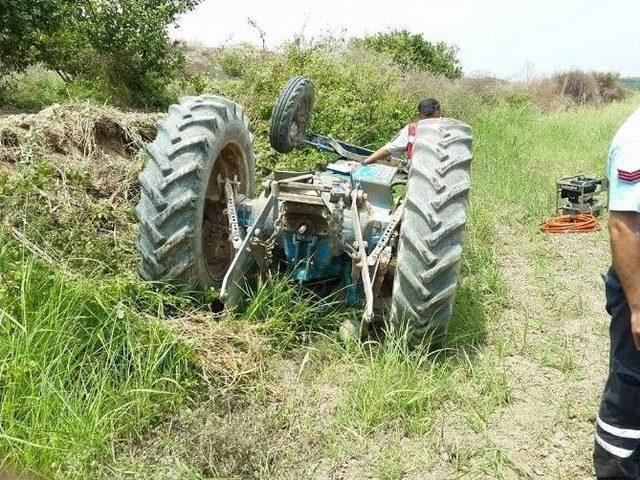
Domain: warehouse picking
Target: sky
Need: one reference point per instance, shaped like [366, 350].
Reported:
[507, 38]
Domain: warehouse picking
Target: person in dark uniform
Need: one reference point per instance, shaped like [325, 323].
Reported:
[617, 437]
[405, 139]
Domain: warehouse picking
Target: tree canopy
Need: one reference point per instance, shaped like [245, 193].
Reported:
[123, 42]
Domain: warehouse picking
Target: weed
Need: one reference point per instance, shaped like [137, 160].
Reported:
[393, 385]
[80, 370]
[291, 315]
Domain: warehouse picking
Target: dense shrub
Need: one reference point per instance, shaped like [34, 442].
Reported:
[581, 87]
[414, 51]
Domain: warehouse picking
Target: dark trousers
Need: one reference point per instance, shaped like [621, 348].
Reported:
[617, 452]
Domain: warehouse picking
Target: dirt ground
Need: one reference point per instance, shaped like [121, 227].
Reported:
[559, 372]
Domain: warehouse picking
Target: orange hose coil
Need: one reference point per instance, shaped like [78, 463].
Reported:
[580, 223]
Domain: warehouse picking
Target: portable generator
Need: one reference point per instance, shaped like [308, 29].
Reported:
[580, 194]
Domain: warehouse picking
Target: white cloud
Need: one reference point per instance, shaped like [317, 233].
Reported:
[497, 36]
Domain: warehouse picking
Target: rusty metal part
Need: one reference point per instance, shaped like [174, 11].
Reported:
[334, 214]
[232, 214]
[380, 270]
[263, 249]
[313, 216]
[386, 235]
[231, 292]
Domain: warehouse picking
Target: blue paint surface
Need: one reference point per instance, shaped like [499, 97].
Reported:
[310, 257]
[373, 173]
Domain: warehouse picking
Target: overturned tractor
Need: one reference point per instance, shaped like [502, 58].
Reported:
[200, 226]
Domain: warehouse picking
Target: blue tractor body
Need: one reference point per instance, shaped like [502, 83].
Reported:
[313, 220]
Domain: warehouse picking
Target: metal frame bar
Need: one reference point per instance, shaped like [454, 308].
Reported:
[328, 144]
[232, 214]
[240, 263]
[367, 286]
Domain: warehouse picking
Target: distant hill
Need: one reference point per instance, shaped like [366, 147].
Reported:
[630, 82]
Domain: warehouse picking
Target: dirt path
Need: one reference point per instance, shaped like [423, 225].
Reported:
[559, 371]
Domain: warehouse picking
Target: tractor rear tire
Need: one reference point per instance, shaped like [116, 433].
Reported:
[184, 232]
[291, 114]
[432, 230]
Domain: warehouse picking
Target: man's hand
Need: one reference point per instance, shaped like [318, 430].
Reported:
[625, 247]
[635, 327]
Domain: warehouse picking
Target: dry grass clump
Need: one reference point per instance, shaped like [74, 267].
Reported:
[98, 139]
[228, 352]
[68, 178]
[577, 87]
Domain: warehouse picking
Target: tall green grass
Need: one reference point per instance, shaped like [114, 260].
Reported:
[394, 385]
[37, 88]
[291, 315]
[82, 367]
[520, 153]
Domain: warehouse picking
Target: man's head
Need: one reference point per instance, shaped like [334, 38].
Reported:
[429, 108]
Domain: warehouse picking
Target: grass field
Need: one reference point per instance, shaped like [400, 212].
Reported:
[101, 377]
[631, 82]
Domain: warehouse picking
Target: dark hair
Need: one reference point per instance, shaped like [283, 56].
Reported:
[428, 107]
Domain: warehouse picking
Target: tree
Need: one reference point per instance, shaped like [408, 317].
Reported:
[124, 42]
[414, 51]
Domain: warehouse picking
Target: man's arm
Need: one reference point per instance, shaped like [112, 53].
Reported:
[377, 155]
[395, 147]
[625, 247]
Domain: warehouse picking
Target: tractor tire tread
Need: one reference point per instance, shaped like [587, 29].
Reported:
[173, 183]
[432, 230]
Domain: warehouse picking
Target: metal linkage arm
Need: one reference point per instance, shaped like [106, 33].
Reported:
[344, 149]
[231, 291]
[341, 148]
[232, 214]
[386, 235]
[367, 286]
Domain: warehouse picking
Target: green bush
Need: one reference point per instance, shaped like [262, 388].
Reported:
[121, 44]
[414, 51]
[349, 103]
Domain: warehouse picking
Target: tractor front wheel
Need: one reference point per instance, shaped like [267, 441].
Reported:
[291, 114]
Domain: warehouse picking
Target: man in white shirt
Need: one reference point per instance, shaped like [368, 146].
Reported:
[404, 141]
[617, 438]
